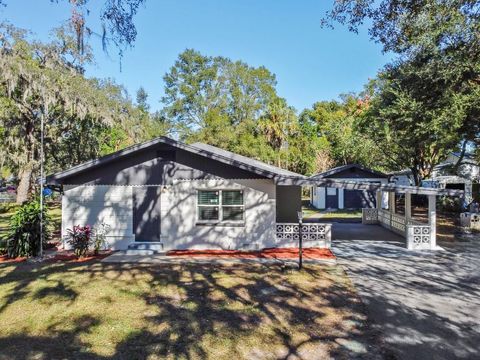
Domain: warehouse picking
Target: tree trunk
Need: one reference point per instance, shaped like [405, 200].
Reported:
[460, 158]
[23, 189]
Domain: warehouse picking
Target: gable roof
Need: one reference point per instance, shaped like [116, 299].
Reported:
[339, 169]
[207, 151]
[243, 159]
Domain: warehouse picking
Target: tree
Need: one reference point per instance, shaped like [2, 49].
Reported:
[406, 26]
[46, 80]
[116, 18]
[142, 97]
[414, 121]
[203, 90]
[336, 123]
[440, 39]
[277, 125]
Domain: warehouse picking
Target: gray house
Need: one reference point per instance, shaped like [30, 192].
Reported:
[180, 196]
[337, 198]
[444, 175]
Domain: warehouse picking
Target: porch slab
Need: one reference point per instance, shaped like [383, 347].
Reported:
[358, 231]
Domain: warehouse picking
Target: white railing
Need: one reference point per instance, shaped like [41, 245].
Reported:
[417, 234]
[419, 237]
[313, 235]
[370, 216]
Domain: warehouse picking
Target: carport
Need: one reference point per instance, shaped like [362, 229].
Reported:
[418, 235]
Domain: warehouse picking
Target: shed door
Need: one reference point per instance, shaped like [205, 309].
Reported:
[331, 198]
[146, 213]
[358, 199]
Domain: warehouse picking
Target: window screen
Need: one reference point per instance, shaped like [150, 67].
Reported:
[208, 208]
[223, 205]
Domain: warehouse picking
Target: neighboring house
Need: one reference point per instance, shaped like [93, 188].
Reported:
[181, 197]
[443, 175]
[333, 198]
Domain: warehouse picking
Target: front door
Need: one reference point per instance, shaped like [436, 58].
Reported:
[146, 213]
[331, 198]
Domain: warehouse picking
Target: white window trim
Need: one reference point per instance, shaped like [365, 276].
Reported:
[220, 207]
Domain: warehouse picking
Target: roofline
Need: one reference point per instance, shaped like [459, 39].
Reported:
[359, 185]
[338, 169]
[56, 177]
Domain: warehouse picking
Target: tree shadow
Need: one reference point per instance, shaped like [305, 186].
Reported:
[427, 304]
[238, 311]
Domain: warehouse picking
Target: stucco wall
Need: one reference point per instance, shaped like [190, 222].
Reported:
[318, 197]
[289, 203]
[94, 205]
[180, 229]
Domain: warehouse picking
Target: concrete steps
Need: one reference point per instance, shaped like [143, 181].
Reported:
[144, 248]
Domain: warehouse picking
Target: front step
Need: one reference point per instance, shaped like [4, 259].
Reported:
[144, 248]
[140, 252]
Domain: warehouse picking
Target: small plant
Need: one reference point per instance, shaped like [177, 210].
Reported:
[100, 237]
[80, 238]
[23, 238]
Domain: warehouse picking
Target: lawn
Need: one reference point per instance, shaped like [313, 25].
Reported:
[180, 311]
[310, 212]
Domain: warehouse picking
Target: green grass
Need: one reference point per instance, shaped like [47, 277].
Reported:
[178, 311]
[337, 214]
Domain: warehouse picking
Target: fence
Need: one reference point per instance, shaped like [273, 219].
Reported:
[417, 234]
[313, 235]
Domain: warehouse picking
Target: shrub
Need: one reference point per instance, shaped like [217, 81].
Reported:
[449, 204]
[80, 238]
[100, 237]
[23, 237]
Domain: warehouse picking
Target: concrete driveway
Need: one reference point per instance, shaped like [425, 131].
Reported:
[427, 304]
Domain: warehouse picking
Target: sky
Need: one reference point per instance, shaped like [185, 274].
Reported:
[311, 63]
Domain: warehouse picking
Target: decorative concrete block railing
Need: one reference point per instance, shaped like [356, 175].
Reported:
[313, 235]
[417, 234]
[470, 220]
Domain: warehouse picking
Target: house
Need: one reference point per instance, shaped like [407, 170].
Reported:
[180, 196]
[338, 198]
[444, 175]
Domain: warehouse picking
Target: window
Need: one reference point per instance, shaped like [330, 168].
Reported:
[220, 205]
[331, 191]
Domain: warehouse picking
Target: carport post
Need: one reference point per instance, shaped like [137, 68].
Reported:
[432, 220]
[391, 202]
[408, 205]
[379, 199]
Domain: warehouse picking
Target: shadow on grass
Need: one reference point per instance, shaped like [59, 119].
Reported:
[212, 308]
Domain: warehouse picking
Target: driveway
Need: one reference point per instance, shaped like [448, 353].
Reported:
[427, 304]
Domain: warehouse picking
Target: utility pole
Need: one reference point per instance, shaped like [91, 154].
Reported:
[42, 159]
[300, 241]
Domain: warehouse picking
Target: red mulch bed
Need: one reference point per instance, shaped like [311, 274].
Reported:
[271, 253]
[4, 259]
[66, 256]
[71, 257]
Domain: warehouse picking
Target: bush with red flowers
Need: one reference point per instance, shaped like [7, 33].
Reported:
[80, 238]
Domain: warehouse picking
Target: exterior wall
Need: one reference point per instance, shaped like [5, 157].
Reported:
[88, 204]
[289, 203]
[94, 205]
[318, 199]
[180, 229]
[403, 180]
[158, 166]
